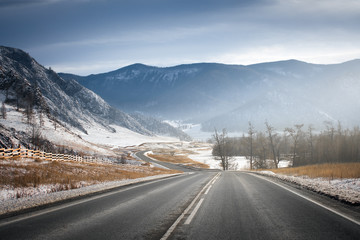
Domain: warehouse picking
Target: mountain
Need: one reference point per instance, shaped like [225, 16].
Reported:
[33, 89]
[159, 127]
[177, 92]
[283, 93]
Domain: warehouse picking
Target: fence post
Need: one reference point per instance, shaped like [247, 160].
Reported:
[37, 154]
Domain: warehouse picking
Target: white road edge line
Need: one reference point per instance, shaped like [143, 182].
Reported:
[172, 228]
[313, 201]
[189, 219]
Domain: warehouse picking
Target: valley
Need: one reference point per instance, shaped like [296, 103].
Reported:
[179, 120]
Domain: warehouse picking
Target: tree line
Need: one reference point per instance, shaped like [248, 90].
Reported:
[299, 145]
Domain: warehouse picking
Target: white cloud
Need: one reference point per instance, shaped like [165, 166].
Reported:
[86, 68]
[321, 31]
[321, 5]
[321, 55]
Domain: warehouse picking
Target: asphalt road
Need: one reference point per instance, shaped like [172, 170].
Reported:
[243, 206]
[140, 211]
[198, 205]
[179, 167]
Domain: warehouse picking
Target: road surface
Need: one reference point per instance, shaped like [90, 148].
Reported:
[243, 206]
[196, 205]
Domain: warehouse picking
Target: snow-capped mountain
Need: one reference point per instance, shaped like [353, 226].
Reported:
[228, 96]
[26, 84]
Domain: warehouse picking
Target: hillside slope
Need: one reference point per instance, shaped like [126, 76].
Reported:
[41, 93]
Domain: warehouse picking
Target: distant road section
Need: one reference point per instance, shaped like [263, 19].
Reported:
[179, 167]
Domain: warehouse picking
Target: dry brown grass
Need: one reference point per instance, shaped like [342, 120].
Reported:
[178, 159]
[331, 171]
[30, 173]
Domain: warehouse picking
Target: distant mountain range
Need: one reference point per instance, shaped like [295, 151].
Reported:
[32, 88]
[229, 96]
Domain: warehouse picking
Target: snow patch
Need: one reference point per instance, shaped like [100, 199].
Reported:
[343, 189]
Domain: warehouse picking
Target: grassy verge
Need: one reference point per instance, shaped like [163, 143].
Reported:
[67, 175]
[331, 171]
[178, 159]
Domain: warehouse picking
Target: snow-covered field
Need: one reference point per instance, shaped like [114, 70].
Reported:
[123, 137]
[197, 151]
[343, 189]
[205, 156]
[201, 152]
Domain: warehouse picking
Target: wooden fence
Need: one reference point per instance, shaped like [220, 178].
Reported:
[36, 154]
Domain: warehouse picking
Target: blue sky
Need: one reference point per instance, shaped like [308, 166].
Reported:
[93, 36]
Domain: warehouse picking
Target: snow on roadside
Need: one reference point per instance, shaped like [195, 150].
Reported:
[43, 195]
[205, 156]
[347, 190]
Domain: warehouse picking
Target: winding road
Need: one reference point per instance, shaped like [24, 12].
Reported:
[195, 205]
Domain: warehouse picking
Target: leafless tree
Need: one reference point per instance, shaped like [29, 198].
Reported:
[221, 149]
[271, 135]
[251, 133]
[310, 139]
[29, 114]
[261, 151]
[53, 117]
[36, 137]
[295, 135]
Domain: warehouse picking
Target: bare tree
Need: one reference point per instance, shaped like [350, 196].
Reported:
[310, 140]
[271, 134]
[36, 137]
[251, 133]
[41, 116]
[29, 114]
[295, 135]
[261, 150]
[53, 117]
[221, 149]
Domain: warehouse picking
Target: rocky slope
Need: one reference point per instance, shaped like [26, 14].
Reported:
[35, 90]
